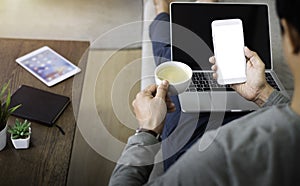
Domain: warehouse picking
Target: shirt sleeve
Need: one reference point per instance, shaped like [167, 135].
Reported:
[204, 158]
[136, 162]
[276, 98]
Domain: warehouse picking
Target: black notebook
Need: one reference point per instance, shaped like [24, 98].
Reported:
[38, 105]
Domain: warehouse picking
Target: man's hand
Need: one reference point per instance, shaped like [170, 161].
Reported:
[256, 88]
[151, 106]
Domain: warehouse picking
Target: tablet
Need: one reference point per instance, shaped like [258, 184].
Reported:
[48, 66]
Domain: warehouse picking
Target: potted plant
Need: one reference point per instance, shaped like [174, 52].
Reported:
[5, 112]
[20, 134]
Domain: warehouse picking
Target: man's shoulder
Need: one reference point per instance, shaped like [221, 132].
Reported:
[263, 142]
[268, 125]
[270, 116]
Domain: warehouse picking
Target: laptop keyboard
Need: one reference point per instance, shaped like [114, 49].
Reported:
[203, 81]
[271, 81]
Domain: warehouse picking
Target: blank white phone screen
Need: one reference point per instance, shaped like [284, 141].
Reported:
[229, 51]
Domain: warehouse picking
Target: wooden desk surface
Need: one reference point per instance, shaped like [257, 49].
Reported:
[47, 160]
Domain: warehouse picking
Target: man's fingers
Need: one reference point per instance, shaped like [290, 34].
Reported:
[214, 67]
[150, 90]
[248, 53]
[215, 76]
[162, 90]
[170, 105]
[212, 60]
[253, 57]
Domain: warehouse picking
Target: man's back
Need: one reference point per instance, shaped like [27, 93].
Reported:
[259, 149]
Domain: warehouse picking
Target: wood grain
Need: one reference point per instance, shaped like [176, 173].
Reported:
[47, 160]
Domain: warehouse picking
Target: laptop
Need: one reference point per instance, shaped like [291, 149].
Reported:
[191, 43]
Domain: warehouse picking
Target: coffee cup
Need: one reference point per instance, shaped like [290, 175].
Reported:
[176, 73]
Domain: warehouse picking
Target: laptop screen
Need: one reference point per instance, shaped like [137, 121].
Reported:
[191, 36]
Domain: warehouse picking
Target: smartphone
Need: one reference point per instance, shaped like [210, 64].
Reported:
[228, 42]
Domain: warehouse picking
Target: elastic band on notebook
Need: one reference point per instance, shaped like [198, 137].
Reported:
[60, 129]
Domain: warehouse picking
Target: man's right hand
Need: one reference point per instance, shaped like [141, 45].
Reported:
[151, 106]
[256, 87]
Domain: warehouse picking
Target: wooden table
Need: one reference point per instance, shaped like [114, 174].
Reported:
[47, 160]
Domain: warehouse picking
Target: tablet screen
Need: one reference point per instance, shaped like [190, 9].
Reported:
[48, 66]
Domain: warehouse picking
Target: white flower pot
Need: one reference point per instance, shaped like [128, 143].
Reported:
[3, 136]
[21, 143]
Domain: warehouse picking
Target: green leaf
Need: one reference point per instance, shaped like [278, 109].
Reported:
[11, 110]
[15, 136]
[3, 89]
[20, 129]
[8, 100]
[4, 111]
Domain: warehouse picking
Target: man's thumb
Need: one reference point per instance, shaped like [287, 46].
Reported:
[162, 89]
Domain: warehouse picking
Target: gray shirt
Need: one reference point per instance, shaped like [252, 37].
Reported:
[262, 148]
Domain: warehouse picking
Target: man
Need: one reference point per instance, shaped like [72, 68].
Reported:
[261, 148]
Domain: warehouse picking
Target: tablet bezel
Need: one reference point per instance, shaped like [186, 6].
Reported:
[50, 83]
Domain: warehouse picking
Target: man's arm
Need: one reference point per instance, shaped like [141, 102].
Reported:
[275, 98]
[150, 107]
[136, 163]
[203, 164]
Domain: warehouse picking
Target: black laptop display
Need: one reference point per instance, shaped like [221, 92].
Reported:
[198, 17]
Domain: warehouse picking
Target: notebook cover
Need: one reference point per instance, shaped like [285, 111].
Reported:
[38, 105]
